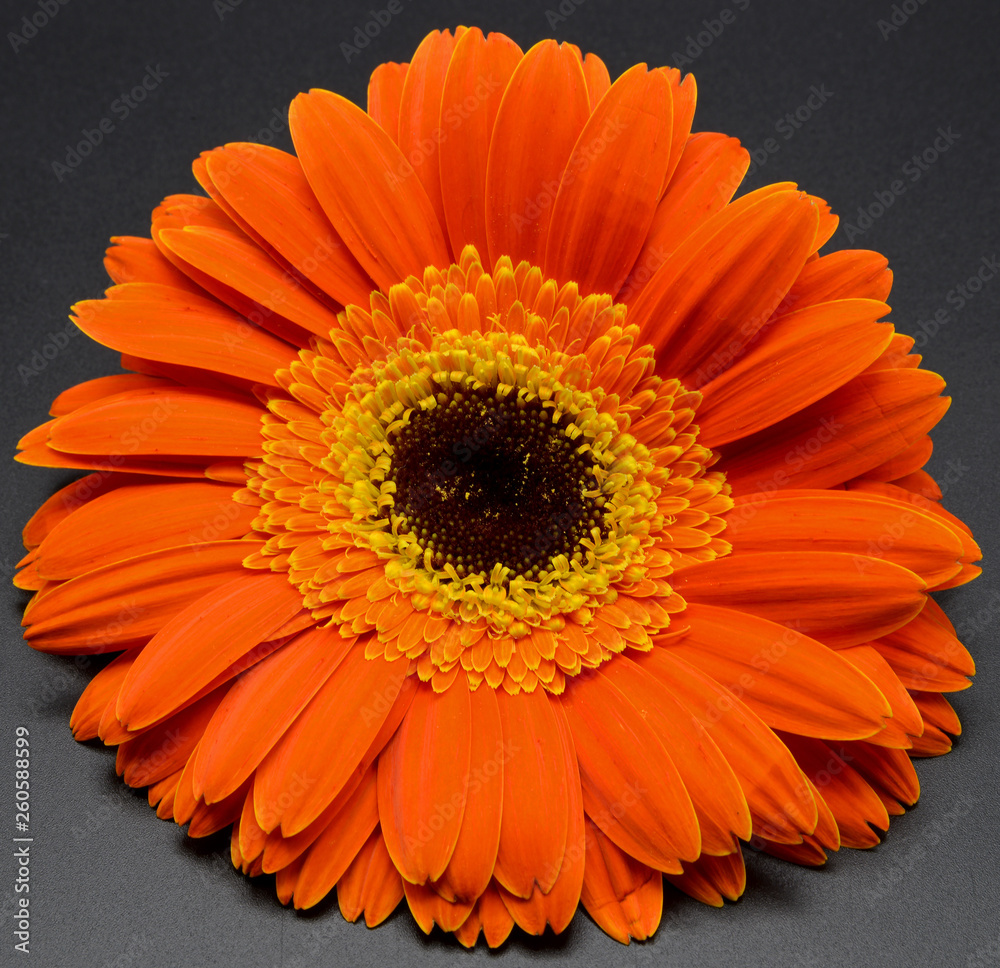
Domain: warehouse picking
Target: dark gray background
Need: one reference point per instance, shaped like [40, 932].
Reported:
[112, 885]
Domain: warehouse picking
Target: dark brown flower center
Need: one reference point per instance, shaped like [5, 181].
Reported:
[483, 479]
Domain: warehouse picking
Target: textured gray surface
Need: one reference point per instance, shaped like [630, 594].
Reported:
[113, 886]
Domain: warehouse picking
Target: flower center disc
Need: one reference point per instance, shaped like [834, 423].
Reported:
[482, 480]
[484, 476]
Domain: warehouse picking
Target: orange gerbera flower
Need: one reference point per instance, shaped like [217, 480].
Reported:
[496, 514]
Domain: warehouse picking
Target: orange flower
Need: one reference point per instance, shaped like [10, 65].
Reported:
[496, 514]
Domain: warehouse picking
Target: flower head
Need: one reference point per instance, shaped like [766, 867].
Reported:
[497, 514]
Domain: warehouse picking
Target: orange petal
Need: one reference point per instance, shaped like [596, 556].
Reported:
[840, 437]
[598, 78]
[808, 354]
[933, 742]
[926, 656]
[809, 853]
[420, 107]
[42, 455]
[429, 908]
[68, 499]
[853, 802]
[353, 166]
[557, 906]
[104, 386]
[631, 788]
[970, 550]
[715, 792]
[139, 519]
[422, 781]
[101, 691]
[180, 420]
[169, 229]
[906, 720]
[371, 884]
[201, 641]
[937, 711]
[708, 172]
[624, 896]
[789, 680]
[270, 192]
[906, 462]
[338, 845]
[476, 80]
[164, 749]
[132, 259]
[113, 606]
[897, 355]
[271, 694]
[385, 89]
[471, 865]
[279, 850]
[847, 274]
[190, 376]
[315, 757]
[541, 116]
[775, 789]
[210, 818]
[865, 525]
[684, 93]
[711, 879]
[166, 324]
[248, 838]
[537, 773]
[888, 771]
[825, 595]
[755, 248]
[238, 263]
[611, 184]
[492, 917]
